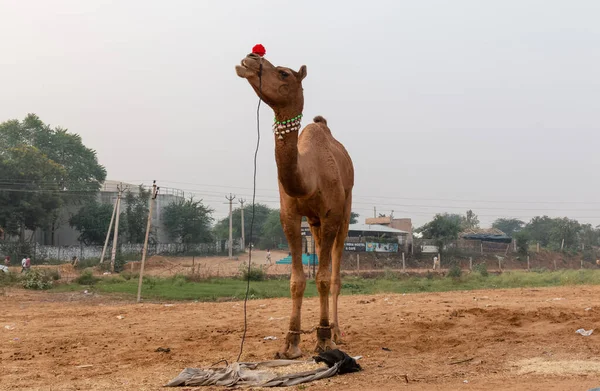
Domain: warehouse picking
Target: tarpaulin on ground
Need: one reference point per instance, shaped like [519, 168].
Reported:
[257, 374]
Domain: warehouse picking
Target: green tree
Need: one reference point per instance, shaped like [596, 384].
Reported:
[92, 222]
[508, 226]
[136, 215]
[470, 220]
[29, 192]
[522, 238]
[589, 236]
[540, 229]
[81, 173]
[354, 217]
[272, 231]
[261, 213]
[443, 228]
[188, 221]
[567, 230]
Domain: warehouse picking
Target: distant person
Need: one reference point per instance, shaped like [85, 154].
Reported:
[75, 261]
[436, 263]
[269, 256]
[23, 265]
[28, 263]
[7, 261]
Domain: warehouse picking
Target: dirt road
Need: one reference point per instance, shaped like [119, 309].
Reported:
[522, 339]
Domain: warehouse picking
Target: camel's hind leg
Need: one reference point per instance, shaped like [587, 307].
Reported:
[336, 260]
[324, 236]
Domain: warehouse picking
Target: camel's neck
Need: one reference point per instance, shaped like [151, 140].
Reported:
[289, 168]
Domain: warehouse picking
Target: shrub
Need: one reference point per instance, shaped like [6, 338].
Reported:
[455, 271]
[87, 278]
[37, 279]
[255, 273]
[522, 238]
[149, 281]
[54, 274]
[481, 269]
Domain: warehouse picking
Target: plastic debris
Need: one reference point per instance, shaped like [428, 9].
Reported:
[120, 317]
[281, 318]
[270, 338]
[169, 305]
[466, 381]
[10, 327]
[588, 309]
[584, 332]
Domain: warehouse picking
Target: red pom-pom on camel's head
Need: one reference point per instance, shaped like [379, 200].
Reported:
[259, 49]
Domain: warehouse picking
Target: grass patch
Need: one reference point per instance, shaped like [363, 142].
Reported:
[182, 288]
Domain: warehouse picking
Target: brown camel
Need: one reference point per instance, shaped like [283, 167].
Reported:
[316, 177]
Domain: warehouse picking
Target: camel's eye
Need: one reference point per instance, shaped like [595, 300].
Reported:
[284, 74]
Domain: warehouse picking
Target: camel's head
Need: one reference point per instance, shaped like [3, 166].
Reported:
[280, 86]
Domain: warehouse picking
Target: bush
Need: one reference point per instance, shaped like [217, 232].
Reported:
[255, 273]
[37, 279]
[87, 278]
[455, 271]
[522, 238]
[54, 274]
[481, 269]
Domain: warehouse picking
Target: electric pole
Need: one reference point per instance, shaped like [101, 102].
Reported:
[112, 219]
[145, 248]
[243, 235]
[116, 237]
[230, 199]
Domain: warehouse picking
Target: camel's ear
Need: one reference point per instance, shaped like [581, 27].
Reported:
[302, 73]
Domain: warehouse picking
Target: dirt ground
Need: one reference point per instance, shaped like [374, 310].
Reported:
[521, 339]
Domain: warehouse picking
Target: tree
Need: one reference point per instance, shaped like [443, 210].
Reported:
[261, 213]
[29, 191]
[188, 221]
[443, 228]
[354, 217]
[136, 214]
[540, 229]
[508, 226]
[81, 173]
[92, 222]
[272, 232]
[567, 230]
[589, 236]
[470, 220]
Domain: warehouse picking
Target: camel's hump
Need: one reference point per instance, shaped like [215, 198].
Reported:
[320, 119]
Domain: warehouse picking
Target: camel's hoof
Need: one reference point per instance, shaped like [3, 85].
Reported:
[324, 345]
[336, 334]
[289, 353]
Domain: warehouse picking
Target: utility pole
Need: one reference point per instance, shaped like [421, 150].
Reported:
[145, 248]
[374, 212]
[243, 235]
[230, 198]
[108, 233]
[116, 236]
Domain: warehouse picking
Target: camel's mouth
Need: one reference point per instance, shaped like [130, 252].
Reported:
[246, 68]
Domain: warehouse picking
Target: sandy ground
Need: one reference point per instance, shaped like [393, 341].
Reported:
[521, 339]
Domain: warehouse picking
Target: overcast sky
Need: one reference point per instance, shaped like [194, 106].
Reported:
[443, 105]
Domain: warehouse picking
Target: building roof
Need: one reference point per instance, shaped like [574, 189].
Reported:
[375, 228]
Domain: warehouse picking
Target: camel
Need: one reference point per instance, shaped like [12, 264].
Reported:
[316, 177]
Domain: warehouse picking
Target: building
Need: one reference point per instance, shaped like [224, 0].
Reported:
[364, 237]
[404, 224]
[64, 235]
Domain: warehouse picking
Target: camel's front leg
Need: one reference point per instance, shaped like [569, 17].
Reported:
[291, 228]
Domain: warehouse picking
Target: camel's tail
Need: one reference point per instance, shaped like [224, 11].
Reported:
[320, 119]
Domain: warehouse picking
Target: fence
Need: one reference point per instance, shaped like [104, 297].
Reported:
[43, 253]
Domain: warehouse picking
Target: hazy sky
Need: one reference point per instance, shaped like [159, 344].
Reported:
[443, 105]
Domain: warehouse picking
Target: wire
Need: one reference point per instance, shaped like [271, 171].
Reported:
[252, 218]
